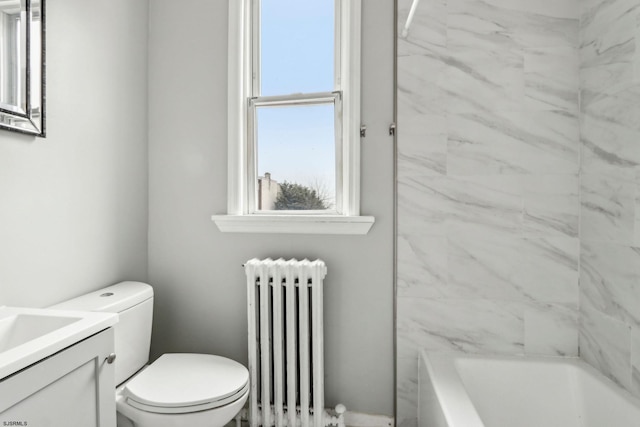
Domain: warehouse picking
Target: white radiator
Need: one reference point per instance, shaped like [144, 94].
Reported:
[286, 345]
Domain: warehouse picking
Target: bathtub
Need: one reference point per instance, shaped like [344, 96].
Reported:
[462, 390]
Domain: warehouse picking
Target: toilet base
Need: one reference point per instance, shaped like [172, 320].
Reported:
[122, 421]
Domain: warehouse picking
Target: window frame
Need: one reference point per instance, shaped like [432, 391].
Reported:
[241, 215]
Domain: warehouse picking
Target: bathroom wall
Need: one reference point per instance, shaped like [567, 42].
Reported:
[488, 187]
[196, 270]
[73, 206]
[610, 189]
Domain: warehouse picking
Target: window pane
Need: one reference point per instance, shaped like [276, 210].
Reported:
[297, 46]
[296, 157]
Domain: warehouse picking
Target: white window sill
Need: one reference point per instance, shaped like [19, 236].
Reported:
[294, 224]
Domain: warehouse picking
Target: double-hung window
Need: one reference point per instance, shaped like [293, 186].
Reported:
[294, 117]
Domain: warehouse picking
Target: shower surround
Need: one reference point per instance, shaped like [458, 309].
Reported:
[610, 189]
[518, 183]
[488, 181]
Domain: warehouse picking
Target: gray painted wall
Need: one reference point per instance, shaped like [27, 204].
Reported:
[196, 270]
[73, 206]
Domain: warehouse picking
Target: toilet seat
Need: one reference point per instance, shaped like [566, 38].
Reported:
[183, 383]
[189, 409]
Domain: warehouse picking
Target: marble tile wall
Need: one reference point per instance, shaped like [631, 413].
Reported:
[488, 182]
[610, 189]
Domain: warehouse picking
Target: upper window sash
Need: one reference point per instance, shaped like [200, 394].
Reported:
[256, 46]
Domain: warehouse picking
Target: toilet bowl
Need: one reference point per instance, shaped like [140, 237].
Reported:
[176, 390]
[184, 389]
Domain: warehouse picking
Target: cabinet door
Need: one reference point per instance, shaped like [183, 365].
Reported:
[72, 388]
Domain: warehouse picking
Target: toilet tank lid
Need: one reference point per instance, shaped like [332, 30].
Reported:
[112, 299]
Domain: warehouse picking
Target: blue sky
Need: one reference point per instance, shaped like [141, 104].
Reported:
[297, 46]
[297, 144]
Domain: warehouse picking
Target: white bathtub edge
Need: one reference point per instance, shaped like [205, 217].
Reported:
[457, 408]
[446, 401]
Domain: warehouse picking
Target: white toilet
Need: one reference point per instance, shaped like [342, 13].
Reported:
[177, 390]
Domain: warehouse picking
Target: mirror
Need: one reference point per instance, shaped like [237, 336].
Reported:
[22, 65]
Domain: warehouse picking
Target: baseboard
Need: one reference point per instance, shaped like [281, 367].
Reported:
[351, 419]
[358, 419]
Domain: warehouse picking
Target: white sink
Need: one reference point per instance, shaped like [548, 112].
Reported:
[28, 335]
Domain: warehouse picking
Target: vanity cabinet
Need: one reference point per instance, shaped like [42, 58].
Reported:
[73, 388]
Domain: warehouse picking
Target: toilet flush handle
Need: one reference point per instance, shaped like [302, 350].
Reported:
[110, 358]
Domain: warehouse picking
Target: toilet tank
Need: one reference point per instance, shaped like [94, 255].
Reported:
[133, 301]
